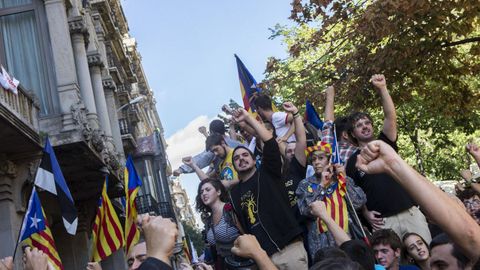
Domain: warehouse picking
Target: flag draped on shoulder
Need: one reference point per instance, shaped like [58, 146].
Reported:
[36, 233]
[248, 86]
[336, 204]
[49, 177]
[107, 229]
[132, 185]
[311, 115]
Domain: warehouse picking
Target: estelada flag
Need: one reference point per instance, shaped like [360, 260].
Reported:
[311, 115]
[132, 185]
[36, 233]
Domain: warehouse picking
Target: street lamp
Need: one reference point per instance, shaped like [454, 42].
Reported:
[133, 101]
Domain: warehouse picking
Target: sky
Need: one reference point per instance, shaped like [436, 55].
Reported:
[187, 50]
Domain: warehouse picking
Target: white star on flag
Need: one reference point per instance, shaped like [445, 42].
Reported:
[35, 221]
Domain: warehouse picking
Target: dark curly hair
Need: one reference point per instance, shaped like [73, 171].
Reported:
[203, 209]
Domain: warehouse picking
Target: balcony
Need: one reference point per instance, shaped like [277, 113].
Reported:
[128, 135]
[147, 204]
[19, 122]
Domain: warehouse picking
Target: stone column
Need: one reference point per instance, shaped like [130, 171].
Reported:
[8, 230]
[95, 62]
[109, 88]
[67, 86]
[78, 30]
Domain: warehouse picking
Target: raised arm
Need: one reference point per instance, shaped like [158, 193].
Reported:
[389, 113]
[301, 143]
[318, 209]
[247, 246]
[473, 150]
[241, 115]
[378, 157]
[329, 103]
[190, 163]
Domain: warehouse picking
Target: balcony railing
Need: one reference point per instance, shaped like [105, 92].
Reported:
[21, 105]
[147, 204]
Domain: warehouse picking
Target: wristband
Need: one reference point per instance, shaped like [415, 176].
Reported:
[296, 114]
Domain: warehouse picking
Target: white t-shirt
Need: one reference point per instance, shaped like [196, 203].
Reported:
[279, 121]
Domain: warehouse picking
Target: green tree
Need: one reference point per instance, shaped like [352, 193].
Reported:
[428, 50]
[195, 235]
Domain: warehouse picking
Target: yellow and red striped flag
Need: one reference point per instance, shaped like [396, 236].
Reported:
[107, 230]
[132, 185]
[36, 233]
[336, 204]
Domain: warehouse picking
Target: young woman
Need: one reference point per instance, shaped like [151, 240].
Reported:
[217, 214]
[416, 250]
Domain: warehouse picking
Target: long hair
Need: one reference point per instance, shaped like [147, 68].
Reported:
[203, 209]
[405, 253]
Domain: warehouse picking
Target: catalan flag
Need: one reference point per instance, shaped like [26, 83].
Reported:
[336, 204]
[36, 233]
[107, 230]
[311, 115]
[248, 86]
[132, 185]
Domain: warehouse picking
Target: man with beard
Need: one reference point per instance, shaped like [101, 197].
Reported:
[261, 202]
[388, 204]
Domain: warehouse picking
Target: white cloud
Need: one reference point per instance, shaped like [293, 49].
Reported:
[188, 142]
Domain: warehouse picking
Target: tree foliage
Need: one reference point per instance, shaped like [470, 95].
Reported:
[195, 236]
[428, 50]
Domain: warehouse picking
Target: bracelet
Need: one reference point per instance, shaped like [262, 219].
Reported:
[296, 114]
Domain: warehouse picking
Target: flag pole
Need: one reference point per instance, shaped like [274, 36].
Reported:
[21, 227]
[357, 219]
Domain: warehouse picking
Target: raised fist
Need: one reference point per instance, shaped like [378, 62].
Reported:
[378, 80]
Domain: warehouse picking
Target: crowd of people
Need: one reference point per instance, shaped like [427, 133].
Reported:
[306, 196]
[276, 193]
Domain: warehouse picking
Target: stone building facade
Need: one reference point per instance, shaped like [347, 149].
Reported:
[81, 84]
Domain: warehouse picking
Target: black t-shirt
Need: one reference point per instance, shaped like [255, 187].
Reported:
[384, 194]
[248, 199]
[296, 173]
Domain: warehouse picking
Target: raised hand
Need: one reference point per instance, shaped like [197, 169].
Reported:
[376, 157]
[160, 234]
[94, 266]
[240, 115]
[188, 161]
[35, 259]
[318, 209]
[289, 107]
[203, 130]
[473, 150]
[378, 80]
[6, 263]
[246, 246]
